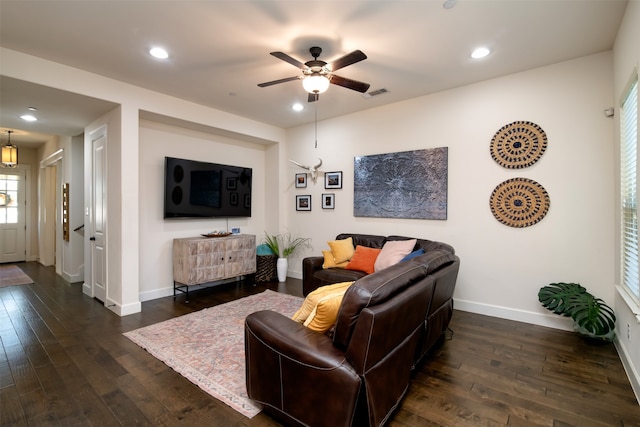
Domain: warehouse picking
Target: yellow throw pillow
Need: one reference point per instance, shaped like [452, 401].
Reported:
[342, 249]
[324, 315]
[329, 262]
[310, 302]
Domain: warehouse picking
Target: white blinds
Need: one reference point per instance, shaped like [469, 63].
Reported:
[629, 190]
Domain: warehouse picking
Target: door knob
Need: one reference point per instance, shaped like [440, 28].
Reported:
[93, 239]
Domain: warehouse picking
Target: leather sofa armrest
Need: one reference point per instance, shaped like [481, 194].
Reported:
[291, 339]
[309, 266]
[298, 372]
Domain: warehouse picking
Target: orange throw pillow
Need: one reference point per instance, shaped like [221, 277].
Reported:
[363, 259]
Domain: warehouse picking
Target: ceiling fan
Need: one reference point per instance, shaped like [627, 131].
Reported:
[317, 74]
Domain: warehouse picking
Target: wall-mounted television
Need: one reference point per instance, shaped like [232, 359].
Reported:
[194, 189]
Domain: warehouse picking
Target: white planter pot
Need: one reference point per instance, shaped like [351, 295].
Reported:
[281, 266]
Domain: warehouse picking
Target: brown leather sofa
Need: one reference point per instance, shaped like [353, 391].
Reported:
[314, 276]
[357, 374]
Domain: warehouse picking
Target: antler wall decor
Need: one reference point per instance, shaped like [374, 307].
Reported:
[313, 170]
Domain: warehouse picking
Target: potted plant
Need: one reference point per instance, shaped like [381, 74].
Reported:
[592, 317]
[283, 245]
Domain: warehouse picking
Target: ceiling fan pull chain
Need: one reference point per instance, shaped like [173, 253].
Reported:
[316, 124]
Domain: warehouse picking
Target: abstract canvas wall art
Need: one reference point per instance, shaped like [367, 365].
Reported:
[408, 184]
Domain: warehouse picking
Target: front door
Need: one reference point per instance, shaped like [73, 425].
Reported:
[99, 215]
[12, 215]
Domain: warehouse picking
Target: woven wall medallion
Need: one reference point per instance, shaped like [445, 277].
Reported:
[518, 145]
[519, 202]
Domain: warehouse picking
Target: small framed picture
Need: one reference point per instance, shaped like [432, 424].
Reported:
[232, 183]
[328, 201]
[303, 203]
[301, 180]
[333, 180]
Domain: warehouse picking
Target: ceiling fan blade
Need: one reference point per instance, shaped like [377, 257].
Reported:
[313, 97]
[348, 59]
[290, 60]
[275, 82]
[349, 84]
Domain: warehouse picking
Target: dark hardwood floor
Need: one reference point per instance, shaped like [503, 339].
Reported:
[65, 362]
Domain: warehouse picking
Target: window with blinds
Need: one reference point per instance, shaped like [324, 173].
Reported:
[629, 190]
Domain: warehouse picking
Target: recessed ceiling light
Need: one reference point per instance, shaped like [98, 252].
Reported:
[297, 107]
[158, 52]
[28, 118]
[449, 4]
[32, 109]
[480, 52]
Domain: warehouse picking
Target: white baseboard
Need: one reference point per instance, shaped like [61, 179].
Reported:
[86, 289]
[549, 320]
[156, 293]
[625, 358]
[72, 278]
[124, 310]
[168, 290]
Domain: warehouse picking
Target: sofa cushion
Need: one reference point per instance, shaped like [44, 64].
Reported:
[434, 260]
[368, 240]
[310, 302]
[330, 262]
[371, 290]
[427, 245]
[363, 259]
[342, 249]
[392, 252]
[334, 275]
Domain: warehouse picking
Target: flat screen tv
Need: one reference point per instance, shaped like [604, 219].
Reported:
[194, 189]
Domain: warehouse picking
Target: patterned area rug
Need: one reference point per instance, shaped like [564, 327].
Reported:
[11, 275]
[207, 347]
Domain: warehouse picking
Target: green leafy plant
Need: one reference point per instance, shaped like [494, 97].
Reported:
[592, 316]
[284, 244]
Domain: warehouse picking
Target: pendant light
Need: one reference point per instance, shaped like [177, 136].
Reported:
[9, 153]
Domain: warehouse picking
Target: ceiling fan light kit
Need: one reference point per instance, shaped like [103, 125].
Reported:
[315, 83]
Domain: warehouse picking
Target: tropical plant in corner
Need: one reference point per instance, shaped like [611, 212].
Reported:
[592, 317]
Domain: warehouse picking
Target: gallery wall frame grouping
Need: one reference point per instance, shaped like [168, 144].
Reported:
[332, 180]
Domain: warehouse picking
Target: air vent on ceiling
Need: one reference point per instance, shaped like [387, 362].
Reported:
[375, 93]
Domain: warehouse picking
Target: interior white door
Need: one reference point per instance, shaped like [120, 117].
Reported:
[12, 215]
[98, 217]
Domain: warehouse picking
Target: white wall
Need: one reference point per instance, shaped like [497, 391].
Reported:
[156, 234]
[626, 55]
[72, 255]
[502, 268]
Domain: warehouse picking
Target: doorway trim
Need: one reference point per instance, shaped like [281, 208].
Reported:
[55, 160]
